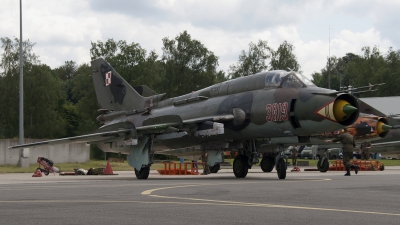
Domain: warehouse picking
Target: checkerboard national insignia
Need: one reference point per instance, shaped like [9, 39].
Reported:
[108, 78]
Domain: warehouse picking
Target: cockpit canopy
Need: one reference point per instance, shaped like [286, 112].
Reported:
[284, 79]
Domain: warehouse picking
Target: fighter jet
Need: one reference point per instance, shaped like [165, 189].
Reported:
[390, 143]
[242, 114]
[366, 128]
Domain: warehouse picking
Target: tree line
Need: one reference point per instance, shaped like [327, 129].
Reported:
[371, 67]
[61, 102]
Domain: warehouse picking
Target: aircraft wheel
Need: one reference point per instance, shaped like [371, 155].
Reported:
[215, 168]
[143, 173]
[46, 172]
[281, 169]
[240, 167]
[267, 164]
[381, 168]
[323, 166]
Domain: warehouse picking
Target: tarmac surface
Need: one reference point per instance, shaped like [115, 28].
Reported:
[306, 197]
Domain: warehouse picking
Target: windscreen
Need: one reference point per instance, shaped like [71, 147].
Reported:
[286, 79]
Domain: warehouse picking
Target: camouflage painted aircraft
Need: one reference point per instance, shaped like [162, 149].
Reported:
[366, 128]
[244, 114]
[390, 141]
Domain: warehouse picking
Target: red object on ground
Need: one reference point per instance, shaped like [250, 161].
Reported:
[48, 166]
[108, 170]
[364, 165]
[37, 173]
[171, 168]
[295, 169]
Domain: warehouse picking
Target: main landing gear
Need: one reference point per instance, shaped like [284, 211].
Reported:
[323, 163]
[267, 164]
[143, 173]
[248, 156]
[240, 166]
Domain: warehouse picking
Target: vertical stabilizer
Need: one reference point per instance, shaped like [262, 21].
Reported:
[112, 91]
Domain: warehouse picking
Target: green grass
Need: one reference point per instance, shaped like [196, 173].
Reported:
[116, 166]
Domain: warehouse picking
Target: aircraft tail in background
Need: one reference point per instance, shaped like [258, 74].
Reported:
[112, 91]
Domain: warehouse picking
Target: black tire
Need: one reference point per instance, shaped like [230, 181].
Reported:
[215, 168]
[143, 173]
[281, 169]
[240, 166]
[267, 164]
[323, 166]
[382, 168]
[46, 172]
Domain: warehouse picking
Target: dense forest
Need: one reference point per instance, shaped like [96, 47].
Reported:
[60, 102]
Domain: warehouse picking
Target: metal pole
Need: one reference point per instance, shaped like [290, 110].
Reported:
[329, 60]
[21, 90]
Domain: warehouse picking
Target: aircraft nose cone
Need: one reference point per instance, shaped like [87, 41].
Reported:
[348, 109]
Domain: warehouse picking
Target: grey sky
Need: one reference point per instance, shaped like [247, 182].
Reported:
[63, 30]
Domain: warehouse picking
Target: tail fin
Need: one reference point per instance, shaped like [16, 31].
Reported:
[112, 91]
